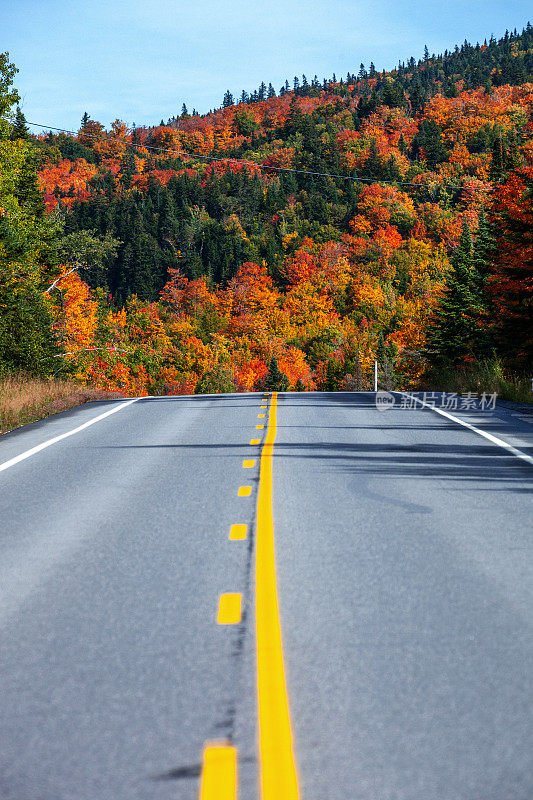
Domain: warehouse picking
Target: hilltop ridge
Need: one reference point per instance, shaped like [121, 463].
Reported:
[382, 216]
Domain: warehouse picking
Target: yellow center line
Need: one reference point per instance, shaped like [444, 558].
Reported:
[255, 441]
[244, 491]
[219, 772]
[248, 463]
[237, 532]
[229, 609]
[277, 765]
[259, 427]
[260, 416]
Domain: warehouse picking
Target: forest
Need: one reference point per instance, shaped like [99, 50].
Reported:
[285, 240]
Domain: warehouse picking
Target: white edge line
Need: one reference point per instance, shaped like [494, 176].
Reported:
[32, 451]
[485, 434]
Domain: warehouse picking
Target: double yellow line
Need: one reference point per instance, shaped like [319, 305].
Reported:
[278, 776]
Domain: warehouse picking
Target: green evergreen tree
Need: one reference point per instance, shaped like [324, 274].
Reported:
[127, 168]
[402, 146]
[512, 152]
[455, 334]
[393, 95]
[275, 379]
[27, 189]
[429, 137]
[497, 160]
[392, 171]
[19, 129]
[228, 99]
[373, 165]
[417, 98]
[483, 266]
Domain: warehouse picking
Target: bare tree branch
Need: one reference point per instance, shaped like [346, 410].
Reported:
[54, 284]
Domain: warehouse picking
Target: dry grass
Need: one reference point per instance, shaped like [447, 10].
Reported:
[486, 376]
[26, 399]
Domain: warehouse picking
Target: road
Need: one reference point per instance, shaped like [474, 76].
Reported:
[133, 664]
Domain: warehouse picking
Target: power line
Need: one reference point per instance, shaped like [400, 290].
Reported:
[191, 156]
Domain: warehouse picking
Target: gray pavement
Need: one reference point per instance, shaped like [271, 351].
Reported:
[403, 549]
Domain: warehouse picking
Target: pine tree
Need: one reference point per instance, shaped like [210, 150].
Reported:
[483, 267]
[512, 152]
[429, 137]
[19, 129]
[484, 251]
[392, 171]
[417, 98]
[497, 160]
[451, 89]
[228, 99]
[27, 189]
[402, 146]
[275, 379]
[127, 168]
[373, 165]
[455, 334]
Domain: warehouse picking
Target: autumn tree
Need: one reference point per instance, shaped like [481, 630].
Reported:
[283, 248]
[511, 286]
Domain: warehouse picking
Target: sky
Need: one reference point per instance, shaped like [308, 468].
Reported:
[139, 60]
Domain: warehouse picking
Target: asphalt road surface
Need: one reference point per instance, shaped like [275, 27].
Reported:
[133, 664]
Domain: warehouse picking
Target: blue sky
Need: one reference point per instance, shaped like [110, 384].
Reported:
[139, 60]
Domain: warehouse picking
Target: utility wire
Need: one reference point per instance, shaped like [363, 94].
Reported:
[191, 156]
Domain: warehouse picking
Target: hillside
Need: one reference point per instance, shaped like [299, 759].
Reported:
[286, 240]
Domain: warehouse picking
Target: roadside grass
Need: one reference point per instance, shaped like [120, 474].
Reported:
[485, 376]
[24, 398]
